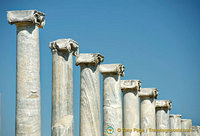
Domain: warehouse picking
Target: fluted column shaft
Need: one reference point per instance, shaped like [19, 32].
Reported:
[175, 124]
[162, 117]
[28, 108]
[186, 127]
[131, 119]
[112, 105]
[90, 114]
[147, 111]
[62, 87]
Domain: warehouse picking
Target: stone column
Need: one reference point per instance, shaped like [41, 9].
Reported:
[28, 115]
[175, 124]
[62, 87]
[112, 105]
[186, 127]
[147, 111]
[90, 114]
[195, 131]
[162, 117]
[131, 118]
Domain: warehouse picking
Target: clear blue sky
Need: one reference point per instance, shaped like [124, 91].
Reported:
[157, 41]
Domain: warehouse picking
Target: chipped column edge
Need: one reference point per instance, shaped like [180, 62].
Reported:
[26, 16]
[149, 92]
[130, 85]
[64, 45]
[116, 69]
[89, 58]
[164, 104]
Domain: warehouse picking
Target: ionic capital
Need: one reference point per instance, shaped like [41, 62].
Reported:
[175, 115]
[65, 46]
[164, 104]
[130, 85]
[116, 69]
[24, 17]
[148, 92]
[93, 59]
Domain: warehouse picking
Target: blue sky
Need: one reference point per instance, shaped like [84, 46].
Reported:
[157, 41]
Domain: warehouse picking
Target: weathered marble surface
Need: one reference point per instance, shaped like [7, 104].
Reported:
[28, 110]
[162, 116]
[112, 105]
[131, 119]
[186, 124]
[22, 17]
[195, 131]
[62, 87]
[90, 114]
[175, 124]
[147, 110]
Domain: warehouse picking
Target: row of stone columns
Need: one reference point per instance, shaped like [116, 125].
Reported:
[142, 113]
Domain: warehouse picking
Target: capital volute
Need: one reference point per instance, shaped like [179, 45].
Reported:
[115, 69]
[26, 17]
[130, 85]
[175, 115]
[148, 92]
[89, 58]
[65, 46]
[164, 104]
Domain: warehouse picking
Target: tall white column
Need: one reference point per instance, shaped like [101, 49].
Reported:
[162, 117]
[90, 114]
[186, 127]
[28, 115]
[175, 124]
[112, 105]
[147, 111]
[131, 118]
[195, 131]
[62, 87]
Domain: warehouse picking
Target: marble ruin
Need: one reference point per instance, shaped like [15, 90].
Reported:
[140, 114]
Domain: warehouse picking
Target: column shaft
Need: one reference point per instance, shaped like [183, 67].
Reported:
[90, 114]
[28, 114]
[147, 111]
[186, 127]
[62, 87]
[112, 105]
[162, 121]
[162, 117]
[131, 119]
[28, 108]
[175, 124]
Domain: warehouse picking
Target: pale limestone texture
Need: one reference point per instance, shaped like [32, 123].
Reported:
[162, 117]
[90, 114]
[195, 131]
[186, 124]
[28, 110]
[62, 87]
[112, 105]
[175, 124]
[147, 110]
[131, 119]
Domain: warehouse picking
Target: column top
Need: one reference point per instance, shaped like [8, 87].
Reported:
[26, 17]
[164, 104]
[186, 120]
[90, 58]
[149, 92]
[196, 128]
[65, 46]
[116, 69]
[127, 85]
[175, 115]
